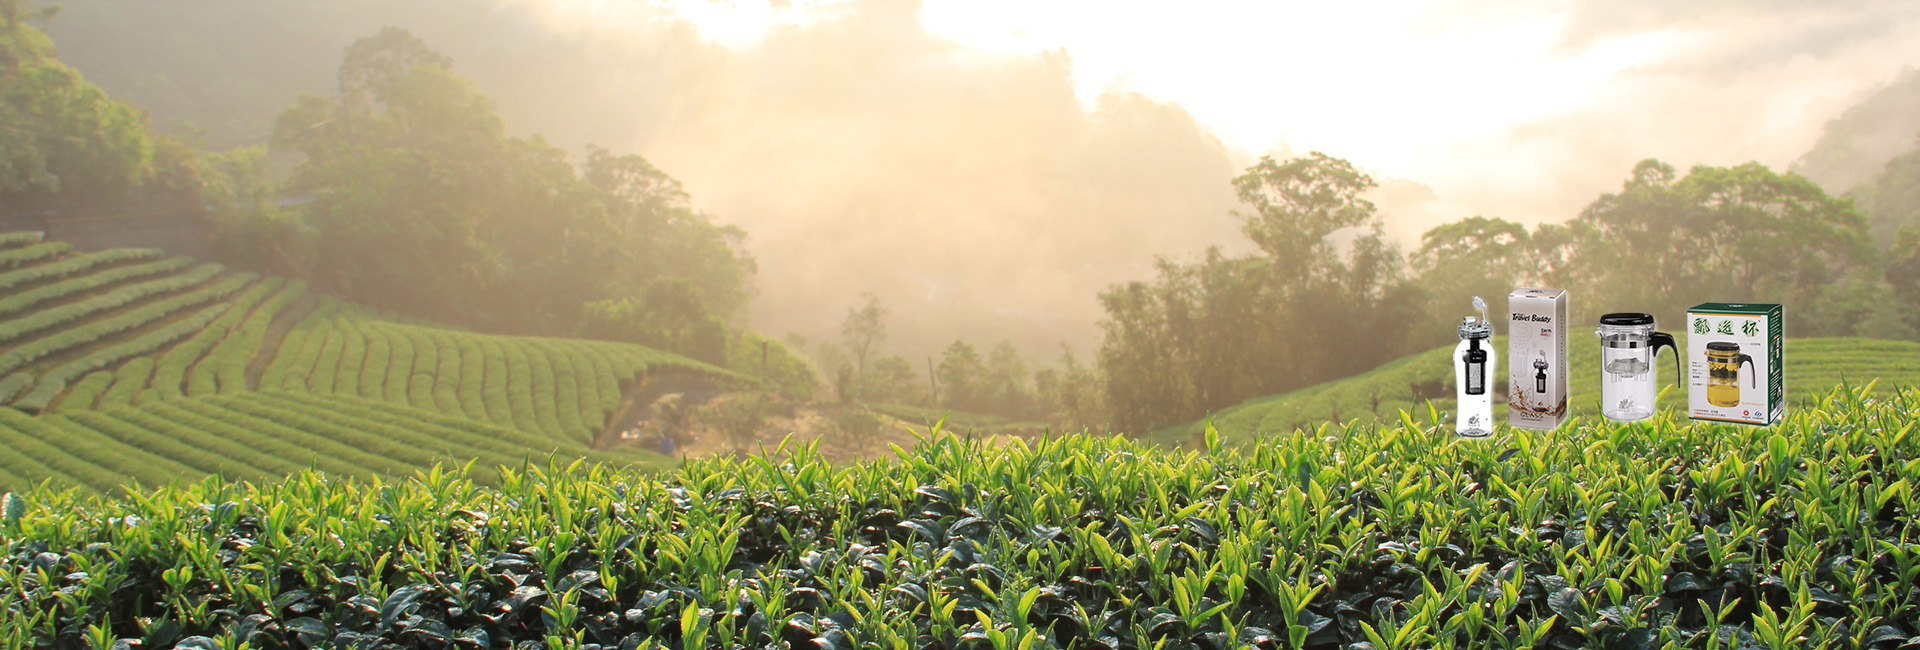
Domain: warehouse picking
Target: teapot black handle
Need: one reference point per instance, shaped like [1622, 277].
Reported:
[1662, 338]
[1747, 360]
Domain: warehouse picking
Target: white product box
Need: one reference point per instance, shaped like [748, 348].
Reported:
[1536, 358]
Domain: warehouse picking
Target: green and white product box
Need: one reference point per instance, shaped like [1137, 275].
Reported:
[1735, 363]
[1536, 358]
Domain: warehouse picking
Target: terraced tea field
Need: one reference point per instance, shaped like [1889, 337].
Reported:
[1814, 365]
[111, 354]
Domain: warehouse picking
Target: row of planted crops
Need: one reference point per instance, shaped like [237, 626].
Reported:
[1664, 533]
[127, 327]
[563, 388]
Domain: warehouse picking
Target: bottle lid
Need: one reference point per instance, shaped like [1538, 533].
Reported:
[1474, 328]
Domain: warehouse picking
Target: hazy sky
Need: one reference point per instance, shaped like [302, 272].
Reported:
[1517, 108]
[990, 165]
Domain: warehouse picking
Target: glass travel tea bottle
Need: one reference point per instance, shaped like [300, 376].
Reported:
[1471, 359]
[1540, 373]
[1723, 373]
[1628, 347]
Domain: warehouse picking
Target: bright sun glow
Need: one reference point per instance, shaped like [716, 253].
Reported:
[1380, 84]
[1369, 81]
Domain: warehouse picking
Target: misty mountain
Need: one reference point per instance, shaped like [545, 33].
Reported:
[1855, 146]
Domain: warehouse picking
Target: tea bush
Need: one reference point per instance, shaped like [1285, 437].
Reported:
[1663, 533]
[92, 282]
[24, 254]
[72, 265]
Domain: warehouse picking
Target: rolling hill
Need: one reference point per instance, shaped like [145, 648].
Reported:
[1414, 382]
[126, 364]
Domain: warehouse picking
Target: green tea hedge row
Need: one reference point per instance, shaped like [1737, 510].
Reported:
[195, 433]
[127, 382]
[116, 298]
[502, 438]
[183, 452]
[426, 364]
[25, 299]
[278, 451]
[588, 385]
[298, 349]
[75, 264]
[55, 381]
[91, 331]
[24, 254]
[353, 353]
[235, 353]
[313, 438]
[14, 384]
[321, 377]
[170, 374]
[88, 389]
[399, 366]
[472, 389]
[403, 444]
[494, 382]
[446, 373]
[21, 238]
[545, 391]
[107, 465]
[373, 371]
[204, 378]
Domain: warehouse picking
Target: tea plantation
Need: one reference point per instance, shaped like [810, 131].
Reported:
[1658, 534]
[1415, 382]
[126, 364]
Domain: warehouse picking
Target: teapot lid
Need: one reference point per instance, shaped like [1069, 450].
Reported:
[1627, 318]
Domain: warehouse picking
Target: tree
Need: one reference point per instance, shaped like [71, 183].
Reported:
[668, 315]
[1325, 296]
[63, 136]
[1476, 256]
[740, 417]
[891, 380]
[1004, 383]
[374, 65]
[1744, 233]
[855, 429]
[1071, 393]
[864, 330]
[421, 204]
[961, 372]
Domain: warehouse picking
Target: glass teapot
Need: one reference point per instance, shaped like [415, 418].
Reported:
[1723, 373]
[1628, 347]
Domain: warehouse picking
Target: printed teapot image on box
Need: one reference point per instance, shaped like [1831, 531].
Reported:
[1735, 363]
[1536, 357]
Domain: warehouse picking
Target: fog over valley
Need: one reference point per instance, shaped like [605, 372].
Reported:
[989, 172]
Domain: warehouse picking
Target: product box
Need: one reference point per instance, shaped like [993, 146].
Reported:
[1536, 358]
[1735, 362]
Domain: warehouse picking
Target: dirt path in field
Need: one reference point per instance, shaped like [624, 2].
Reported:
[640, 395]
[277, 332]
